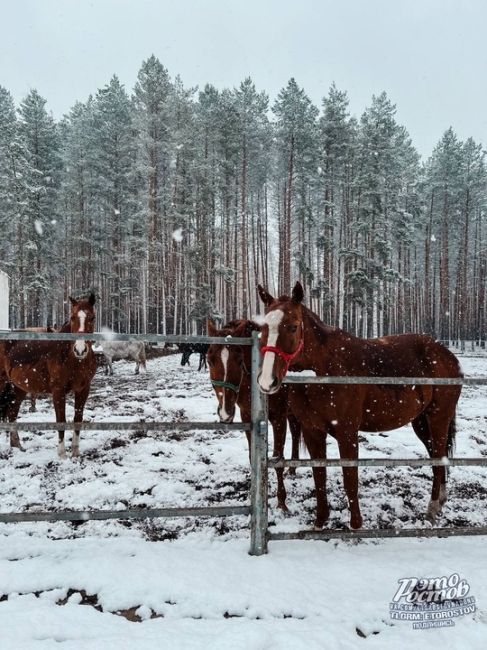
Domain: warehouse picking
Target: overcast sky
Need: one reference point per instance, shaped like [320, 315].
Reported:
[429, 55]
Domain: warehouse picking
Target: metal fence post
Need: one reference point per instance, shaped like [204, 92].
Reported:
[258, 456]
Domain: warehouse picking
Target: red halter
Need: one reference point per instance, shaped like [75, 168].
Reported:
[287, 358]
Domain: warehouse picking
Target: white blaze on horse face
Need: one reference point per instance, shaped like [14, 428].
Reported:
[80, 346]
[273, 320]
[225, 354]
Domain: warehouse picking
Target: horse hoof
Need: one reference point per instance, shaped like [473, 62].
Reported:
[283, 507]
[291, 471]
[433, 511]
[317, 527]
[75, 453]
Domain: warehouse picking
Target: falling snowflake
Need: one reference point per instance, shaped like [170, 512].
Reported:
[178, 235]
[39, 227]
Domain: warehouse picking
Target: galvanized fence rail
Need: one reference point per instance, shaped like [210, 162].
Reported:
[258, 498]
[260, 463]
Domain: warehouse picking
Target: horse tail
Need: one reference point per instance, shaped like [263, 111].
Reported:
[6, 398]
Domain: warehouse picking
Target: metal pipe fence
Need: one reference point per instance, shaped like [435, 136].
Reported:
[328, 534]
[258, 426]
[260, 463]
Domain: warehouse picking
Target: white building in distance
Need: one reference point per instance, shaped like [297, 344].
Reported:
[4, 300]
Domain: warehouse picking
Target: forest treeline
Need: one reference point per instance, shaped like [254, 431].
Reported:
[173, 203]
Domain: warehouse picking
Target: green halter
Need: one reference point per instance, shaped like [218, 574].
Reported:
[225, 384]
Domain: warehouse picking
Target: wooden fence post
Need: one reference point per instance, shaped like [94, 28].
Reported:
[258, 456]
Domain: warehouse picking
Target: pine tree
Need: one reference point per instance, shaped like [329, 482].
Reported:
[152, 122]
[41, 176]
[296, 144]
[12, 204]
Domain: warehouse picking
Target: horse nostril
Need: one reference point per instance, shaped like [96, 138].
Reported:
[274, 382]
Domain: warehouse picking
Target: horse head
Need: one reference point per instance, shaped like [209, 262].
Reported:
[82, 320]
[227, 365]
[282, 337]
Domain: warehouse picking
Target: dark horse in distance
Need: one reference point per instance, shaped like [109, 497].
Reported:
[55, 367]
[294, 337]
[188, 348]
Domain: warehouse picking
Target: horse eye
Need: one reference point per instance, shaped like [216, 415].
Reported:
[293, 328]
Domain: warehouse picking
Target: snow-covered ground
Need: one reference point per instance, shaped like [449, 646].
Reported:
[191, 581]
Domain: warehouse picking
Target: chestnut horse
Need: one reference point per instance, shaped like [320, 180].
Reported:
[294, 337]
[55, 367]
[3, 375]
[230, 376]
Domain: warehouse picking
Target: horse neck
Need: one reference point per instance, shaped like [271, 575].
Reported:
[65, 328]
[247, 349]
[324, 345]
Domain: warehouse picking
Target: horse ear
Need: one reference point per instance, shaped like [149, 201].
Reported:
[265, 296]
[211, 327]
[92, 299]
[72, 300]
[298, 293]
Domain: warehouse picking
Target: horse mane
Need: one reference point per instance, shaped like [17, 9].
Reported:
[322, 331]
[229, 328]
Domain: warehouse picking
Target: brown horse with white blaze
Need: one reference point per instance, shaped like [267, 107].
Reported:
[231, 379]
[55, 367]
[294, 337]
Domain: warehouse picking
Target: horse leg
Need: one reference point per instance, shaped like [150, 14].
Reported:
[32, 408]
[315, 441]
[59, 401]
[249, 442]
[279, 425]
[439, 424]
[295, 437]
[348, 447]
[79, 405]
[137, 366]
[12, 412]
[422, 430]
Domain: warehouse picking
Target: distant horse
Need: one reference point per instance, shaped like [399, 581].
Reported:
[294, 337]
[230, 377]
[188, 348]
[114, 350]
[55, 367]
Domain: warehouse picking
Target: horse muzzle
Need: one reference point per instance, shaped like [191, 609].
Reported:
[269, 388]
[225, 418]
[80, 350]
